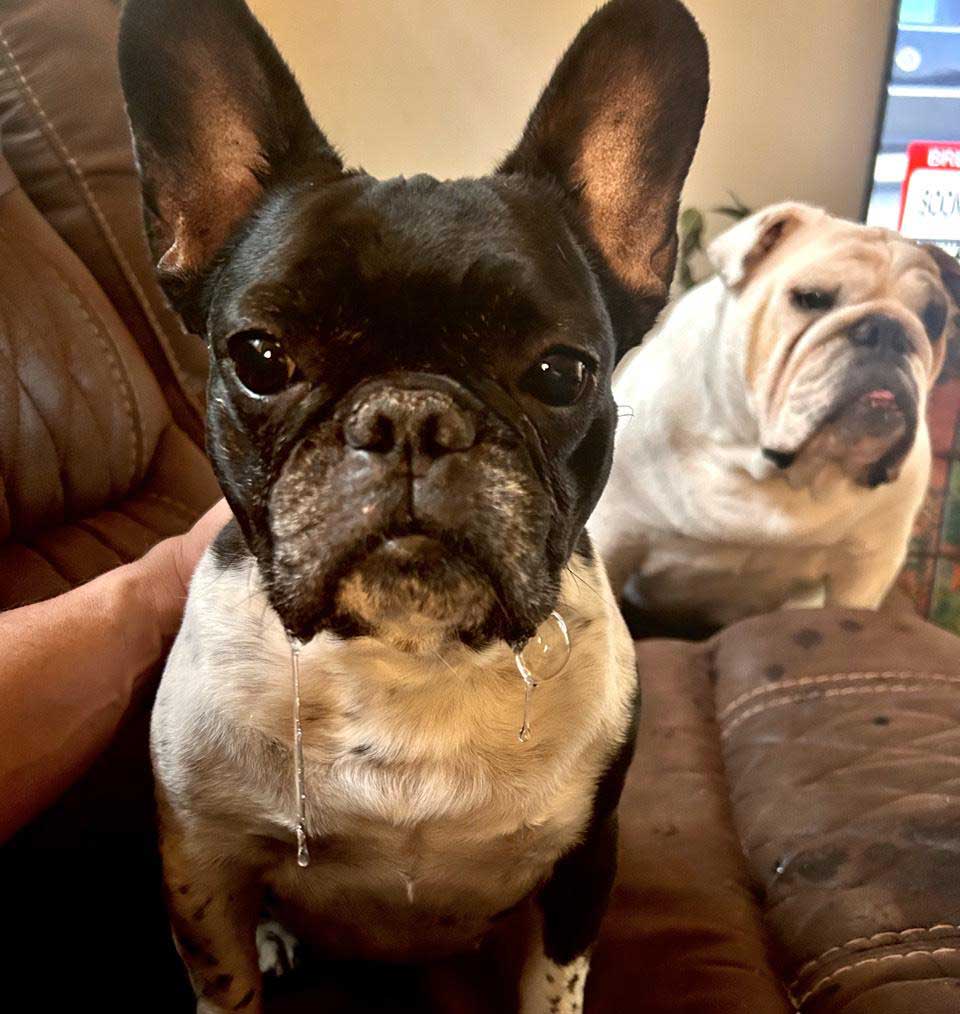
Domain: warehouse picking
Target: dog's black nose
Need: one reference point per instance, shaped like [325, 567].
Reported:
[427, 423]
[883, 333]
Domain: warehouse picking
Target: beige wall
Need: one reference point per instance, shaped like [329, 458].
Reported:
[444, 86]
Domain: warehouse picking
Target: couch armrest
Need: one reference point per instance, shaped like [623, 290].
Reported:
[841, 738]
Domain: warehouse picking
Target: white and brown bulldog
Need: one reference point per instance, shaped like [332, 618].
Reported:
[773, 449]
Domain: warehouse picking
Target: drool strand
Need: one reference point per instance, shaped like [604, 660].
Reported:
[540, 659]
[303, 852]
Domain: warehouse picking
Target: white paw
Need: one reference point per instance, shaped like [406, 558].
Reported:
[276, 949]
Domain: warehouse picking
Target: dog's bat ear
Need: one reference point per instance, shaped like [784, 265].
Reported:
[617, 128]
[216, 118]
[949, 268]
[741, 250]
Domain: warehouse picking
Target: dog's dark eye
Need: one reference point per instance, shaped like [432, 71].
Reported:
[934, 319]
[813, 300]
[558, 379]
[260, 363]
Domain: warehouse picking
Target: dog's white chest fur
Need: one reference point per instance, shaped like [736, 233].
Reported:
[422, 802]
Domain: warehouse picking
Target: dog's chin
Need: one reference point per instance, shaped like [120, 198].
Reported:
[416, 595]
[413, 592]
[867, 433]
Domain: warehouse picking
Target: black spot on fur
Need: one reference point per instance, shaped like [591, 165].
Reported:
[245, 1002]
[229, 549]
[851, 626]
[881, 720]
[184, 888]
[572, 982]
[194, 949]
[201, 910]
[218, 985]
[774, 673]
[808, 638]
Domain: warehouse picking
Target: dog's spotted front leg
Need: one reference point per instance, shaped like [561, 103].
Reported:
[572, 905]
[549, 988]
[214, 908]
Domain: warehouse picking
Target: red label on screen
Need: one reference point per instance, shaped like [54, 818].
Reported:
[930, 200]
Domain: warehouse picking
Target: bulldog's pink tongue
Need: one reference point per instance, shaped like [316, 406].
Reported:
[881, 398]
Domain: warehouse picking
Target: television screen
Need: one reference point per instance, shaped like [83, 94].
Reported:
[916, 180]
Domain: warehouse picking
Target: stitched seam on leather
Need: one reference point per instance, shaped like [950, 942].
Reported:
[727, 730]
[117, 368]
[37, 551]
[188, 513]
[104, 541]
[17, 603]
[119, 372]
[8, 354]
[74, 170]
[828, 678]
[106, 342]
[799, 1002]
[882, 939]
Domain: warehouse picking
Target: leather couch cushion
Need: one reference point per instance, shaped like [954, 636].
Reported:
[66, 136]
[80, 412]
[93, 469]
[841, 740]
[177, 489]
[683, 933]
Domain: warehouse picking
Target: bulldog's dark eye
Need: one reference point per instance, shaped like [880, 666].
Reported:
[558, 379]
[260, 363]
[934, 319]
[813, 300]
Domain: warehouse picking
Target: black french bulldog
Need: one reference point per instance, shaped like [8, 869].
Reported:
[410, 413]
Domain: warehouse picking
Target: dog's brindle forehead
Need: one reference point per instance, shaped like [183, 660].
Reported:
[470, 279]
[420, 273]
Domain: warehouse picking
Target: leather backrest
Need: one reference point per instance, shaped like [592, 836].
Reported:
[66, 137]
[80, 411]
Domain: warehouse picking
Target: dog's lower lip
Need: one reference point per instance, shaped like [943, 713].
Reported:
[411, 547]
[881, 400]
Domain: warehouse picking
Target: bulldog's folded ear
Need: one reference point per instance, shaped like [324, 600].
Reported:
[216, 118]
[950, 273]
[617, 127]
[738, 253]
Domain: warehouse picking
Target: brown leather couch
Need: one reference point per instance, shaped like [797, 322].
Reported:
[791, 827]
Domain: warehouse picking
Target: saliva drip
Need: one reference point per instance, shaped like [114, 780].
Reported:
[303, 851]
[540, 659]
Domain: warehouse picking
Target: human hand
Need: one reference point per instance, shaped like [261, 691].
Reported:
[165, 572]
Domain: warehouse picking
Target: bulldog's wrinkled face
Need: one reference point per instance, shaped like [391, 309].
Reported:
[846, 330]
[410, 408]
